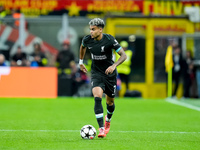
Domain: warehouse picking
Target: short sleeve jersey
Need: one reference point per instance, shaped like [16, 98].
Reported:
[101, 53]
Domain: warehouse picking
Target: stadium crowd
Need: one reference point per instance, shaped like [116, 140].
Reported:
[184, 68]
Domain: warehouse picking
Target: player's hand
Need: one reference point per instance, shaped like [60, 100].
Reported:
[110, 69]
[83, 68]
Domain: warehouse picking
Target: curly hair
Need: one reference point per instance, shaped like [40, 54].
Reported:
[97, 22]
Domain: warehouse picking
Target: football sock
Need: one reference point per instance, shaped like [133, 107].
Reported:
[98, 109]
[110, 111]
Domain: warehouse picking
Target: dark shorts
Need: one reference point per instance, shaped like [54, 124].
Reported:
[108, 84]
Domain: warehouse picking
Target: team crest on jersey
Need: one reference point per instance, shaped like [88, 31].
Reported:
[102, 48]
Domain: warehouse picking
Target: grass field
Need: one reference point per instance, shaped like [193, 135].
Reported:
[137, 124]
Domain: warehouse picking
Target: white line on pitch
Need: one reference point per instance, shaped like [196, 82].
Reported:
[178, 132]
[183, 104]
[2, 130]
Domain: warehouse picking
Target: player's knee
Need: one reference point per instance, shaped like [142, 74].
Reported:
[110, 101]
[97, 95]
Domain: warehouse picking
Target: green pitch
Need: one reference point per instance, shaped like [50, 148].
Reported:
[137, 124]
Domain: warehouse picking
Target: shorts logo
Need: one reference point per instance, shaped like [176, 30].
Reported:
[114, 90]
[102, 48]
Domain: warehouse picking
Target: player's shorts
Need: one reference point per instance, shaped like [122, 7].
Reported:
[108, 84]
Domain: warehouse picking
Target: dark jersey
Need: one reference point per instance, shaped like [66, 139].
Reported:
[64, 58]
[101, 53]
[21, 56]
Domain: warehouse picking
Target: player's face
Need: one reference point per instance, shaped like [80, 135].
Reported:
[95, 32]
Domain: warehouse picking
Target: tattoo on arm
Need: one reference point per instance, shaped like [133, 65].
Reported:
[122, 57]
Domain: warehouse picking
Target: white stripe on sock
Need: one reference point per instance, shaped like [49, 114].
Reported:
[99, 115]
[109, 112]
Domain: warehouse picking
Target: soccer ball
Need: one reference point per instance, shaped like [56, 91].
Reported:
[88, 132]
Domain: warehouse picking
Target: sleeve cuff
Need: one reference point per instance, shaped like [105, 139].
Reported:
[83, 45]
[118, 49]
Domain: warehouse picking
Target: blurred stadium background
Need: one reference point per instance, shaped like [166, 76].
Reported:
[49, 22]
[29, 119]
[153, 23]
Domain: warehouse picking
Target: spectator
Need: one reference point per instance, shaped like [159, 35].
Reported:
[68, 79]
[118, 88]
[19, 59]
[16, 16]
[79, 79]
[197, 69]
[65, 60]
[176, 74]
[39, 58]
[2, 60]
[187, 74]
[124, 69]
[2, 12]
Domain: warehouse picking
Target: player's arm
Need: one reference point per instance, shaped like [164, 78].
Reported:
[82, 54]
[122, 58]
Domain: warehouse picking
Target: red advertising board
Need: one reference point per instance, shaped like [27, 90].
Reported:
[28, 82]
[84, 7]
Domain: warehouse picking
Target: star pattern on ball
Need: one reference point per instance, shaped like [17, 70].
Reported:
[88, 132]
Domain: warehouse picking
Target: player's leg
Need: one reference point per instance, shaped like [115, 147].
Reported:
[110, 107]
[110, 110]
[98, 109]
[110, 90]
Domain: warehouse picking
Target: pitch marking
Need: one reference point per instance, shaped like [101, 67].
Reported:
[183, 104]
[177, 132]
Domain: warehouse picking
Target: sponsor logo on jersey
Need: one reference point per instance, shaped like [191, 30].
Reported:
[98, 57]
[89, 47]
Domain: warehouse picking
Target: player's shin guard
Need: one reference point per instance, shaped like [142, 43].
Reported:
[98, 109]
[110, 111]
